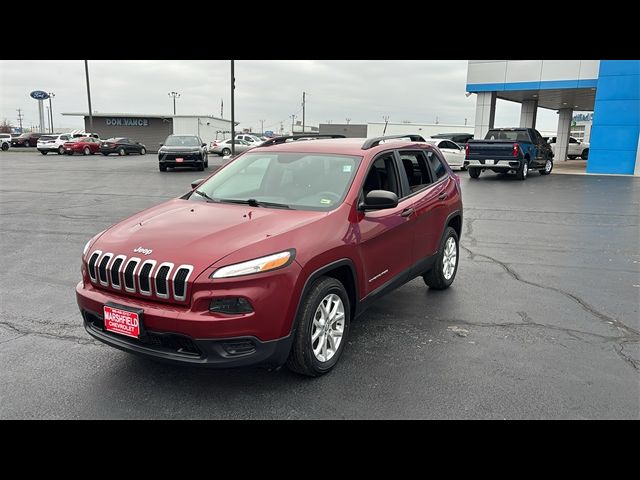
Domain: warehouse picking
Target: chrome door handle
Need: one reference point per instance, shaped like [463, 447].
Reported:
[407, 212]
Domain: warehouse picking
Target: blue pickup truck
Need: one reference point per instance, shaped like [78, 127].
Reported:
[509, 150]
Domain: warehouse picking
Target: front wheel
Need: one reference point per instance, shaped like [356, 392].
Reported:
[474, 172]
[444, 269]
[548, 166]
[226, 152]
[322, 328]
[43, 152]
[143, 151]
[5, 147]
[121, 151]
[60, 150]
[86, 151]
[585, 154]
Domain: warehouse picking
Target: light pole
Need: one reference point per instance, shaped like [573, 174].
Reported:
[174, 95]
[51, 95]
[262, 128]
[48, 118]
[86, 72]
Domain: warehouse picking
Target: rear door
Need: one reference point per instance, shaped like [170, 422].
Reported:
[429, 187]
[384, 236]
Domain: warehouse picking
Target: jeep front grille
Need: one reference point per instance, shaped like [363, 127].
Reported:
[139, 276]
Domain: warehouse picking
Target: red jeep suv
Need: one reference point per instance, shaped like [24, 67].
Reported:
[268, 259]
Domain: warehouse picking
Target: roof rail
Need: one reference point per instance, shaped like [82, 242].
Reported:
[279, 140]
[374, 142]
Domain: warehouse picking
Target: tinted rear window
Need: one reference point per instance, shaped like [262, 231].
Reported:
[47, 137]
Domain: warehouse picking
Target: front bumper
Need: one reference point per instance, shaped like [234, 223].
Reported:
[181, 349]
[498, 165]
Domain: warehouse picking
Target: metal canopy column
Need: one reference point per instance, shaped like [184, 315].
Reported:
[562, 136]
[528, 113]
[485, 113]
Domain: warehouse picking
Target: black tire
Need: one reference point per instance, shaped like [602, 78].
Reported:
[435, 277]
[474, 172]
[545, 170]
[201, 167]
[5, 147]
[571, 157]
[585, 154]
[60, 150]
[43, 152]
[121, 151]
[163, 168]
[143, 151]
[69, 153]
[206, 163]
[86, 151]
[226, 152]
[523, 171]
[105, 154]
[301, 358]
[463, 168]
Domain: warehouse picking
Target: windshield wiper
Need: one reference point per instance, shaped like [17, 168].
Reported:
[252, 202]
[202, 194]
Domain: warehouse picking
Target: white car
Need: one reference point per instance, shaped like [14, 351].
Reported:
[576, 148]
[53, 143]
[5, 141]
[254, 140]
[453, 153]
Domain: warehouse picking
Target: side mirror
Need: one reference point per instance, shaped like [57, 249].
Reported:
[379, 200]
[195, 183]
[161, 144]
[204, 144]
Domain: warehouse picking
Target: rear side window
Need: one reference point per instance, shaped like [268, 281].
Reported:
[436, 165]
[415, 167]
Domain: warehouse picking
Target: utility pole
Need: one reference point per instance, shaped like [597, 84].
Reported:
[304, 94]
[86, 72]
[293, 118]
[465, 121]
[48, 118]
[221, 109]
[348, 120]
[51, 95]
[233, 113]
[386, 122]
[20, 117]
[437, 120]
[281, 129]
[262, 128]
[174, 95]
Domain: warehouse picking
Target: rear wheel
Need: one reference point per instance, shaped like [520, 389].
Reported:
[105, 154]
[474, 172]
[86, 151]
[143, 151]
[322, 328]
[226, 152]
[585, 154]
[121, 151]
[60, 150]
[163, 168]
[43, 152]
[523, 170]
[201, 167]
[444, 270]
[548, 166]
[5, 147]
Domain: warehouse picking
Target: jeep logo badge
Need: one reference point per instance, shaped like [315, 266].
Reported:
[144, 251]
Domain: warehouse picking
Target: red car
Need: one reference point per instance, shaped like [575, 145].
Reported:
[84, 145]
[268, 260]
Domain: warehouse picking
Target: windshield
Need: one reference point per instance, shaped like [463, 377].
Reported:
[182, 141]
[304, 181]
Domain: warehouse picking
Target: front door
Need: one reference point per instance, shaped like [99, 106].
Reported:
[384, 236]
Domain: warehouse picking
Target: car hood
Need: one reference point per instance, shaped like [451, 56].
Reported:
[198, 233]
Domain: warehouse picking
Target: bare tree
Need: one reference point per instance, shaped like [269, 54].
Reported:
[5, 126]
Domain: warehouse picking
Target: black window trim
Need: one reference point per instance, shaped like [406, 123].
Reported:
[396, 157]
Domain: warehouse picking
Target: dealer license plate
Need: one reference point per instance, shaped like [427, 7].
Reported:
[489, 162]
[121, 321]
[179, 160]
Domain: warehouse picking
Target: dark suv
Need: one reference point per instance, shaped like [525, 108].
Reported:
[269, 259]
[183, 151]
[26, 140]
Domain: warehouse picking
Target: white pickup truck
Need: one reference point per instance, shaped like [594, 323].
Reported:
[576, 148]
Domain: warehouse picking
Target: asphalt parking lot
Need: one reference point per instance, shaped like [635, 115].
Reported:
[541, 322]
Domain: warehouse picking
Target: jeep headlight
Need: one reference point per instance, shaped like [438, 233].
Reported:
[259, 265]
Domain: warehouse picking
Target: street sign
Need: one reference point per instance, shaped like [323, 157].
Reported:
[39, 95]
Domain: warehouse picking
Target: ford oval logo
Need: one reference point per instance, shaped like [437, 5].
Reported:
[39, 95]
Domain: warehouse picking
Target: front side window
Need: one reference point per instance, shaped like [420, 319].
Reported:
[382, 176]
[302, 181]
[182, 141]
[572, 140]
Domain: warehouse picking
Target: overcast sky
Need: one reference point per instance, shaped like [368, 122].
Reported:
[364, 91]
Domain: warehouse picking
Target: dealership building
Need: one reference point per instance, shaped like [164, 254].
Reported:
[608, 88]
[152, 130]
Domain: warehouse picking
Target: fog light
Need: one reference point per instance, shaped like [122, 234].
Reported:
[230, 305]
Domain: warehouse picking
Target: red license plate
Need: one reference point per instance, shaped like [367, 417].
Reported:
[121, 321]
[179, 160]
